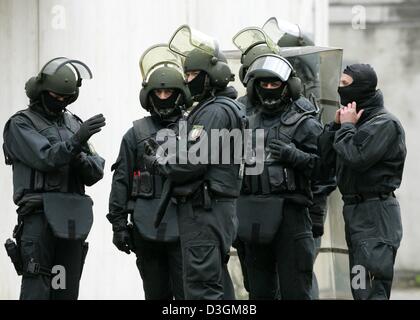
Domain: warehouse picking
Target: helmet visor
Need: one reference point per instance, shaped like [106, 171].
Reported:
[269, 66]
[186, 39]
[159, 56]
[81, 69]
[276, 29]
[250, 37]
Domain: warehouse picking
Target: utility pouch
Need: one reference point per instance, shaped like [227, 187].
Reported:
[145, 185]
[259, 218]
[69, 215]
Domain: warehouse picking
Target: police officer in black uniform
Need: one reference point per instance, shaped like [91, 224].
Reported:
[52, 164]
[206, 193]
[365, 148]
[137, 191]
[274, 221]
[263, 45]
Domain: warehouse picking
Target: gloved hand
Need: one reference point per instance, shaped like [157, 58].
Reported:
[150, 162]
[89, 128]
[122, 240]
[150, 157]
[288, 154]
[317, 224]
[151, 147]
[317, 211]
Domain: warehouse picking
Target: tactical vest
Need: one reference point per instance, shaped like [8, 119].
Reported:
[30, 180]
[215, 173]
[276, 178]
[145, 184]
[147, 190]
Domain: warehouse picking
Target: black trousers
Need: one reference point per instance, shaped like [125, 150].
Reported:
[283, 268]
[373, 234]
[38, 245]
[239, 245]
[160, 267]
[206, 237]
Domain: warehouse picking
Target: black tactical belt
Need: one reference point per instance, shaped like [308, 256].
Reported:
[361, 197]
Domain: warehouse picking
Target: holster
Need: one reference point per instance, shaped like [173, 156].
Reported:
[13, 248]
[13, 252]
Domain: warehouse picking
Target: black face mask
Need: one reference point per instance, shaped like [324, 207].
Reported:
[363, 87]
[52, 104]
[166, 108]
[197, 85]
[271, 99]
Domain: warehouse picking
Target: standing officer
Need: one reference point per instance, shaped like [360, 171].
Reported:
[365, 147]
[52, 163]
[137, 191]
[254, 42]
[274, 221]
[205, 191]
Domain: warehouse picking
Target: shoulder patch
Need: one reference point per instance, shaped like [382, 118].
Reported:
[195, 132]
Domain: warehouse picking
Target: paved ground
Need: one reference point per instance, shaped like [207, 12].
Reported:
[405, 294]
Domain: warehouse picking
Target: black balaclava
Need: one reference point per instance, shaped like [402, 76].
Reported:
[199, 86]
[167, 108]
[52, 104]
[363, 87]
[271, 100]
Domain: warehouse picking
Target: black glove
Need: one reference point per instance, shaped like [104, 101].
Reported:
[122, 240]
[317, 212]
[317, 224]
[150, 162]
[288, 154]
[149, 156]
[151, 147]
[89, 128]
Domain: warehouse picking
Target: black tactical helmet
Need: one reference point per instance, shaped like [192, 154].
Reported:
[201, 53]
[61, 76]
[162, 69]
[276, 68]
[252, 42]
[290, 40]
[165, 78]
[214, 65]
[286, 34]
[249, 56]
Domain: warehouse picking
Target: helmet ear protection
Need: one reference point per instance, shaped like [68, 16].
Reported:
[295, 86]
[32, 88]
[220, 73]
[241, 74]
[143, 97]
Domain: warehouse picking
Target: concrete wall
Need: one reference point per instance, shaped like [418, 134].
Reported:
[110, 36]
[390, 42]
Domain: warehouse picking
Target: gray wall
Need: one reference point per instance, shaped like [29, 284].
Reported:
[391, 44]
